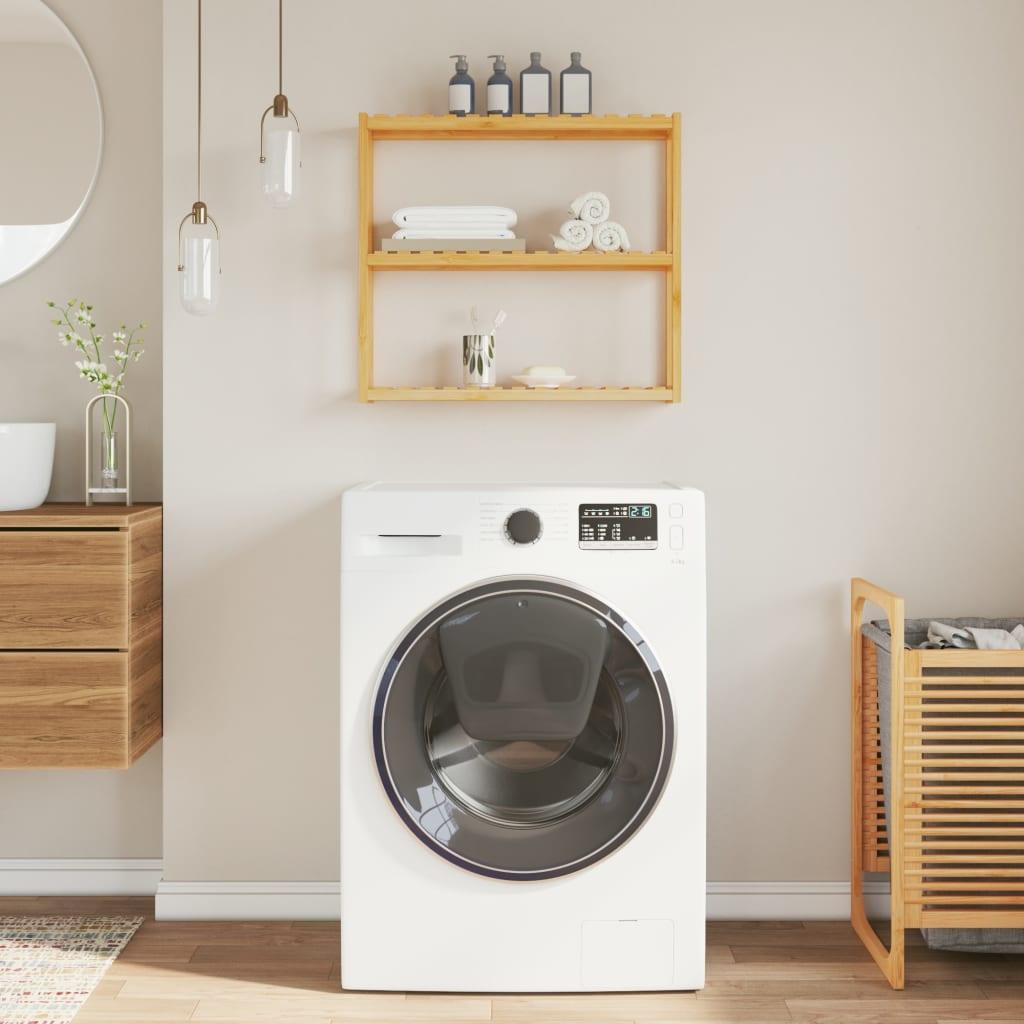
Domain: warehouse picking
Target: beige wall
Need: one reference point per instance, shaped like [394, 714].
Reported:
[852, 368]
[112, 257]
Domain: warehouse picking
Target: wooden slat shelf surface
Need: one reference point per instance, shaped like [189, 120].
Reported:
[664, 128]
[468, 260]
[455, 394]
[447, 126]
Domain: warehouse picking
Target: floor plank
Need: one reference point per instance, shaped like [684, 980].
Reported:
[759, 972]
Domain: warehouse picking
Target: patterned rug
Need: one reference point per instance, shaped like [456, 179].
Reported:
[50, 965]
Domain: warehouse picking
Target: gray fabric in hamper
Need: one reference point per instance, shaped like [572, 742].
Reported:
[915, 631]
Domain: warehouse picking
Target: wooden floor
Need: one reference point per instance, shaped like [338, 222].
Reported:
[287, 972]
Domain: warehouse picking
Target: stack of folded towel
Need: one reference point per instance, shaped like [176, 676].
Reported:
[589, 225]
[441, 222]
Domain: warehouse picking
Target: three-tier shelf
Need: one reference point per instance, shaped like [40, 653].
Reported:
[657, 127]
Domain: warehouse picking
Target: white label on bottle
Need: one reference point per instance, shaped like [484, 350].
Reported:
[575, 94]
[458, 99]
[499, 99]
[534, 94]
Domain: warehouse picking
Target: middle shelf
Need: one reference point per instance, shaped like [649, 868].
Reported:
[590, 260]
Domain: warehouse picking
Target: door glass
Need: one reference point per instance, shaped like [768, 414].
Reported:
[522, 729]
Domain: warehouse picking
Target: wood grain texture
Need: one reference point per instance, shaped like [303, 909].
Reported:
[63, 709]
[79, 516]
[523, 394]
[63, 589]
[80, 636]
[145, 601]
[242, 972]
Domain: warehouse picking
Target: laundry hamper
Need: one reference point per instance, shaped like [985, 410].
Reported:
[937, 784]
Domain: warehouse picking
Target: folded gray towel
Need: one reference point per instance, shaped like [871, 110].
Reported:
[974, 637]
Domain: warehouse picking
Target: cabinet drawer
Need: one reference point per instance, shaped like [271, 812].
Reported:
[63, 709]
[63, 588]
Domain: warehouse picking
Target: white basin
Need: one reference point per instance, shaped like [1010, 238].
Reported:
[26, 464]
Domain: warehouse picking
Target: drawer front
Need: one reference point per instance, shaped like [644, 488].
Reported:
[63, 710]
[63, 588]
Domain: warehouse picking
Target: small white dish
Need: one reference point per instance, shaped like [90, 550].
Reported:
[536, 380]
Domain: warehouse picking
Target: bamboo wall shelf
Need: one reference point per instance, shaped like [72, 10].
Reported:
[658, 127]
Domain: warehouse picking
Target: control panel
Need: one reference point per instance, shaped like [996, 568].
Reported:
[617, 526]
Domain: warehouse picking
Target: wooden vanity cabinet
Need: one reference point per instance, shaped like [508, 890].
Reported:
[81, 651]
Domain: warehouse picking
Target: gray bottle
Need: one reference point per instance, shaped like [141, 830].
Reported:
[499, 88]
[535, 88]
[576, 87]
[461, 88]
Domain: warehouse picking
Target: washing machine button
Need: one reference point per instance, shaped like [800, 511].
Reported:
[675, 537]
[523, 526]
[675, 511]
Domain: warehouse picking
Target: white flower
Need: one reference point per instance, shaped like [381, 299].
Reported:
[136, 356]
[64, 337]
[83, 316]
[121, 356]
[118, 336]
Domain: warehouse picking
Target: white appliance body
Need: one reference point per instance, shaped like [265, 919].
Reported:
[629, 917]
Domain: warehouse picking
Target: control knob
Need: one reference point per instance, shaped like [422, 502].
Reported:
[523, 526]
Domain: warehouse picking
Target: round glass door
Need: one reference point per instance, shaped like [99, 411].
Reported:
[522, 729]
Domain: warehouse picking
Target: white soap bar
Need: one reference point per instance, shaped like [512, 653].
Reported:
[544, 371]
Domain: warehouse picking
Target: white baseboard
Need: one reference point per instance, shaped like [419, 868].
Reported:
[791, 901]
[727, 901]
[248, 901]
[33, 876]
[307, 901]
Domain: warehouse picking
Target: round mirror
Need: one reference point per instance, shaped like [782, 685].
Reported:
[51, 122]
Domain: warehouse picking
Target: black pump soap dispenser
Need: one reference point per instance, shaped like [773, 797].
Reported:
[499, 88]
[461, 88]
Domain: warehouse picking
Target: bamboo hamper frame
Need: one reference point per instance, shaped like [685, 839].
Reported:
[954, 841]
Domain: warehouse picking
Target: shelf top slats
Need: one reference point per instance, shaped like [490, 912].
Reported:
[656, 393]
[519, 126]
[470, 260]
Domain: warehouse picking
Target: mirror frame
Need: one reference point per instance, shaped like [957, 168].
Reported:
[72, 223]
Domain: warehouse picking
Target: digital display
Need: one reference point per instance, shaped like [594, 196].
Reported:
[619, 526]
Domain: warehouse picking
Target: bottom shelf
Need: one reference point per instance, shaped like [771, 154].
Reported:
[520, 394]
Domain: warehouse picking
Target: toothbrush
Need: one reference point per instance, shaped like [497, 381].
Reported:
[499, 320]
[474, 319]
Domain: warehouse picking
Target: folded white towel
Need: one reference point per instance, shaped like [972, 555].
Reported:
[462, 225]
[573, 236]
[611, 237]
[592, 207]
[467, 231]
[416, 216]
[941, 634]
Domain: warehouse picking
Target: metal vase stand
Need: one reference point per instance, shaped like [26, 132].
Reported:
[91, 489]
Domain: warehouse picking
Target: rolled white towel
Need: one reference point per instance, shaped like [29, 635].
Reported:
[611, 237]
[573, 236]
[417, 216]
[592, 207]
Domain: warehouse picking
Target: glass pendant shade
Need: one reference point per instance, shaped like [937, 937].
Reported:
[199, 277]
[282, 160]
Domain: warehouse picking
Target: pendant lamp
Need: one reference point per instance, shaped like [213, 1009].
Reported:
[280, 154]
[198, 234]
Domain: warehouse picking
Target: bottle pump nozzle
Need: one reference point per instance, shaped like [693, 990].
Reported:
[461, 64]
[499, 61]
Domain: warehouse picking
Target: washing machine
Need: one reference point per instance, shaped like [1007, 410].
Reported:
[523, 730]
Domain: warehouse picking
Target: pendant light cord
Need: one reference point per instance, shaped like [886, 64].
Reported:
[280, 46]
[199, 104]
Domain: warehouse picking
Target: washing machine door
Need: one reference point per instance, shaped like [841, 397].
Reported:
[522, 729]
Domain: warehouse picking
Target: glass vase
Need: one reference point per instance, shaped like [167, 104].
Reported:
[110, 469]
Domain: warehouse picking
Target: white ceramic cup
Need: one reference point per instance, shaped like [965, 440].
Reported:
[26, 464]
